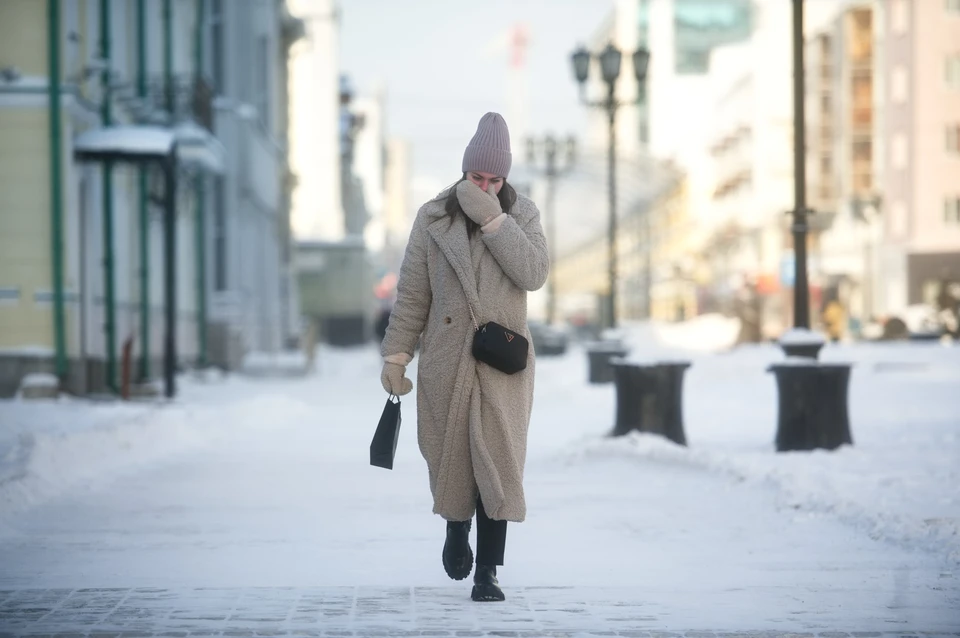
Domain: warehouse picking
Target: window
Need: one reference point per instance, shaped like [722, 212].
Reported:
[862, 96]
[860, 35]
[951, 210]
[824, 102]
[953, 138]
[898, 219]
[862, 150]
[952, 71]
[899, 18]
[898, 151]
[898, 84]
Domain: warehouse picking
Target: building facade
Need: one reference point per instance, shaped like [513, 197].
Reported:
[919, 72]
[841, 145]
[883, 96]
[751, 146]
[81, 266]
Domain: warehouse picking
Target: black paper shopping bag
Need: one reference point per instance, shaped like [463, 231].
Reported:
[384, 445]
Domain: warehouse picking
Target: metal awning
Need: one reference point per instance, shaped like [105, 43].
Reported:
[134, 143]
[194, 145]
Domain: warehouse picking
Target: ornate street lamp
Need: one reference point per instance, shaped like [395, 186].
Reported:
[610, 60]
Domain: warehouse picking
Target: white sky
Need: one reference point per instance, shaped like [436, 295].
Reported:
[445, 65]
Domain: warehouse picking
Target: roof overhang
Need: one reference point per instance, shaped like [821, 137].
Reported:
[133, 143]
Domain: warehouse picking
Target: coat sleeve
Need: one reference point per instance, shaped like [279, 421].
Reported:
[409, 315]
[519, 246]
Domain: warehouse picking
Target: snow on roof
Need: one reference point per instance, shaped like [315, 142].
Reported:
[802, 337]
[198, 147]
[134, 142]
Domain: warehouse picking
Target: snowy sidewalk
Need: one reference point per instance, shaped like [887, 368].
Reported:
[251, 508]
[532, 612]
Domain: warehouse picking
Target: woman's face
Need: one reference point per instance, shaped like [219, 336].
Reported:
[483, 180]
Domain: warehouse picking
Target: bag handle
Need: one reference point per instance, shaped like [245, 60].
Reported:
[476, 326]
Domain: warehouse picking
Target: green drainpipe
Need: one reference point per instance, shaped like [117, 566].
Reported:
[110, 301]
[199, 185]
[56, 187]
[143, 206]
[168, 56]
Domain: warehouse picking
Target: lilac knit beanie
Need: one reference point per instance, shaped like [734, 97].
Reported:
[489, 150]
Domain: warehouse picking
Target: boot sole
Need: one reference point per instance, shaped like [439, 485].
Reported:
[462, 569]
[487, 594]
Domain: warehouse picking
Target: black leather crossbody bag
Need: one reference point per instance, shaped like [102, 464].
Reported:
[499, 347]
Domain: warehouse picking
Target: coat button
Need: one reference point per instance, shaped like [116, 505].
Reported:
[447, 320]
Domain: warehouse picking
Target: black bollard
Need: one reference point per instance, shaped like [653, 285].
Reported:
[812, 405]
[650, 399]
[631, 385]
[600, 357]
[670, 400]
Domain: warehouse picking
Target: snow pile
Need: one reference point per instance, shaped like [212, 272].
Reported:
[280, 364]
[50, 447]
[823, 482]
[899, 481]
[706, 333]
[28, 351]
[802, 337]
[662, 340]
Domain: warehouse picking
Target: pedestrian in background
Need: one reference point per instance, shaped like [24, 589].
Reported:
[474, 252]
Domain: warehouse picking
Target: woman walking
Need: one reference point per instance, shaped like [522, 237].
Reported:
[474, 252]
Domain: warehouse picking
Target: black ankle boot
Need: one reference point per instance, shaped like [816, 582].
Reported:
[486, 587]
[457, 555]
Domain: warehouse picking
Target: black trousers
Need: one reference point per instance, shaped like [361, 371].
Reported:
[491, 538]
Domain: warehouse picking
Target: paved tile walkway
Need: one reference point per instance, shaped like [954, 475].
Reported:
[348, 611]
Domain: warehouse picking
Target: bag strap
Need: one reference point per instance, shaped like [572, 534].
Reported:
[472, 316]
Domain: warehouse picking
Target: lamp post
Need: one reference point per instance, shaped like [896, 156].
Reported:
[610, 59]
[549, 146]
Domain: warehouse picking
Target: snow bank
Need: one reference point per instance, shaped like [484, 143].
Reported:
[27, 351]
[50, 447]
[701, 335]
[285, 364]
[898, 482]
[809, 481]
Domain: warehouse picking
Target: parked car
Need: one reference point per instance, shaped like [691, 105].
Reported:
[547, 340]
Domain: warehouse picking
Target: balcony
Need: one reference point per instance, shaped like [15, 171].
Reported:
[187, 97]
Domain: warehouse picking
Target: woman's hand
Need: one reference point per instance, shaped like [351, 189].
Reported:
[482, 207]
[394, 380]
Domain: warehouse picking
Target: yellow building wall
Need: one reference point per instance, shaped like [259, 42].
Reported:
[23, 36]
[25, 226]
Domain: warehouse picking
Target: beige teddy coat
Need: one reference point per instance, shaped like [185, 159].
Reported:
[472, 419]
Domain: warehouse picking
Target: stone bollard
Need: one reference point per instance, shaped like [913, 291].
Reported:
[650, 399]
[812, 405]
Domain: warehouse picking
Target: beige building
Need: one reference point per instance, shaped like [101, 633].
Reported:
[842, 142]
[919, 163]
[883, 163]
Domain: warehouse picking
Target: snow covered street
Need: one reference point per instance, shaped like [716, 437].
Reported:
[249, 506]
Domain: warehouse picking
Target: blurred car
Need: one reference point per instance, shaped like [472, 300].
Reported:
[547, 340]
